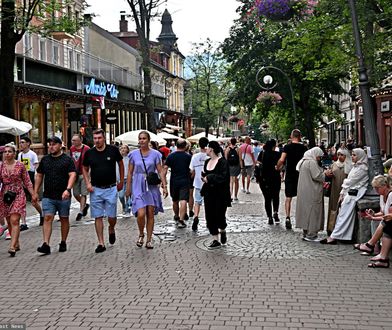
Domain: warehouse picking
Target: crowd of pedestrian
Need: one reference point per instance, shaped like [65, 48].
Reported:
[211, 177]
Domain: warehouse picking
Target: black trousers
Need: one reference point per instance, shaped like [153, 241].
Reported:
[271, 198]
[215, 212]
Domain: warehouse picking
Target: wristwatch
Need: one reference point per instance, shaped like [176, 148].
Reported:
[69, 190]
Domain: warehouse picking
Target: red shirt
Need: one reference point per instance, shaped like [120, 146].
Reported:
[77, 156]
[165, 151]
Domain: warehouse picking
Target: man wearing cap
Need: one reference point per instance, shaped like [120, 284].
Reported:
[101, 161]
[58, 172]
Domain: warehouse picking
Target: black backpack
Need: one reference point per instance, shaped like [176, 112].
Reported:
[232, 157]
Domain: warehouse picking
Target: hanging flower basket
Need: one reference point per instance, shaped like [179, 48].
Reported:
[284, 10]
[269, 98]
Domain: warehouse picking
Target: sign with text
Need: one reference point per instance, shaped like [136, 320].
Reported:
[100, 88]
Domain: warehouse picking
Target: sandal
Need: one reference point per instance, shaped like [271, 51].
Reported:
[140, 241]
[380, 263]
[149, 245]
[364, 247]
[12, 252]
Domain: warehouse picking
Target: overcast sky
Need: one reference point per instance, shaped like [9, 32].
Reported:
[193, 20]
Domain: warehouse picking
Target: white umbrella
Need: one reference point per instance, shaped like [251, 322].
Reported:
[167, 136]
[14, 127]
[196, 138]
[132, 138]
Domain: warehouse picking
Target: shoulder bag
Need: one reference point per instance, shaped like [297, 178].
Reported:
[9, 196]
[152, 178]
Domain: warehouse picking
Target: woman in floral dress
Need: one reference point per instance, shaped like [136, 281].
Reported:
[13, 177]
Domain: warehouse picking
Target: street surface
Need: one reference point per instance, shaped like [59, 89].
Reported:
[265, 278]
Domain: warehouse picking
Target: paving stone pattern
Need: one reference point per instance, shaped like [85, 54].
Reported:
[265, 278]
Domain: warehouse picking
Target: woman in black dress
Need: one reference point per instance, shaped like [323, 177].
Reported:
[216, 192]
[270, 180]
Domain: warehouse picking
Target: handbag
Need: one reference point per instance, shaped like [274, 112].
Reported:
[9, 197]
[258, 171]
[152, 178]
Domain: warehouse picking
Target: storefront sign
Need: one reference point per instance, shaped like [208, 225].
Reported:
[93, 87]
[111, 118]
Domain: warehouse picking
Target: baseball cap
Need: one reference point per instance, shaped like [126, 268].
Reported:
[55, 139]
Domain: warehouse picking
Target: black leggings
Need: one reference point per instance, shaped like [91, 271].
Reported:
[271, 196]
[215, 213]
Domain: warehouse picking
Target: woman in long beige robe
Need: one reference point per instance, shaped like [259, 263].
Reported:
[338, 172]
[309, 215]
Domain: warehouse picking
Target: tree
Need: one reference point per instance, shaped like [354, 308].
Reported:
[209, 88]
[143, 11]
[16, 18]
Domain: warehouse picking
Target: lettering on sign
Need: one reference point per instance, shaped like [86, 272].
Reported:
[101, 89]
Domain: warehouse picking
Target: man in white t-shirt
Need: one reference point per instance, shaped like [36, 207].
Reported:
[247, 161]
[30, 160]
[196, 166]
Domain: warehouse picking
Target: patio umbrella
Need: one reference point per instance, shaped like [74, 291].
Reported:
[132, 138]
[168, 136]
[14, 127]
[196, 138]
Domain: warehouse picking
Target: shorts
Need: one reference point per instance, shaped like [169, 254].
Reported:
[235, 170]
[198, 198]
[179, 194]
[80, 187]
[387, 228]
[103, 202]
[247, 170]
[51, 206]
[290, 188]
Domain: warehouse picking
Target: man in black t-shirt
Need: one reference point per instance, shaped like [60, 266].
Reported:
[101, 162]
[58, 172]
[180, 180]
[291, 155]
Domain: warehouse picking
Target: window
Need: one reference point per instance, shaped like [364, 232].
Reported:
[78, 62]
[31, 113]
[71, 59]
[27, 44]
[55, 54]
[55, 119]
[42, 49]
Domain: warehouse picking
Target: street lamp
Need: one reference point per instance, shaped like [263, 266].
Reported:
[372, 140]
[267, 85]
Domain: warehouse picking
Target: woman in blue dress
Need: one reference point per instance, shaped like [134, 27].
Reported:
[146, 199]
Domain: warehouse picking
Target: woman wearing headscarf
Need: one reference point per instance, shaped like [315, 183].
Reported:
[353, 188]
[309, 214]
[338, 172]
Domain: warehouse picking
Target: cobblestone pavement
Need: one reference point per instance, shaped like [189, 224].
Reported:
[264, 278]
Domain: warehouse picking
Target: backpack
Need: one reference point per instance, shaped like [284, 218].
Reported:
[232, 157]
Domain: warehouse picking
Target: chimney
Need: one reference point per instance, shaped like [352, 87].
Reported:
[123, 24]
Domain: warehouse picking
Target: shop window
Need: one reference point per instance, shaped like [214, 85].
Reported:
[31, 112]
[55, 119]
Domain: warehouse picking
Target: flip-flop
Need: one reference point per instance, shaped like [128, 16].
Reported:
[369, 246]
[381, 263]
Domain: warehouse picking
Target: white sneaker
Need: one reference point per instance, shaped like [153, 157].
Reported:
[243, 190]
[235, 199]
[248, 192]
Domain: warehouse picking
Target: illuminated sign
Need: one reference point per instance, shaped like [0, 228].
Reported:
[93, 87]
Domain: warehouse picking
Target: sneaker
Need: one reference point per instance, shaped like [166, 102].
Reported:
[288, 223]
[181, 224]
[112, 237]
[23, 227]
[85, 210]
[191, 214]
[44, 249]
[100, 248]
[313, 238]
[243, 190]
[186, 217]
[7, 235]
[235, 199]
[79, 217]
[176, 218]
[2, 230]
[62, 246]
[127, 215]
[276, 218]
[214, 245]
[223, 237]
[270, 221]
[195, 223]
[247, 192]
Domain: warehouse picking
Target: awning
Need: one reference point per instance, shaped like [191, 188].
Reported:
[13, 127]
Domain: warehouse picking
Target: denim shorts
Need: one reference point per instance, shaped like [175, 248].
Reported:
[198, 198]
[103, 202]
[51, 206]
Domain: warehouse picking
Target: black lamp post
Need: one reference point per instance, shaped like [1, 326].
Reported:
[372, 140]
[267, 85]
